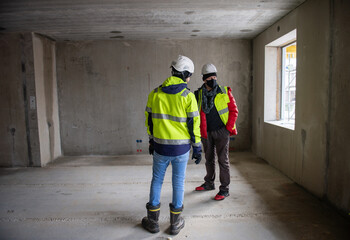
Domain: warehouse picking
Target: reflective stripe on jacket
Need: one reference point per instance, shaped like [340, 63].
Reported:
[172, 116]
[226, 107]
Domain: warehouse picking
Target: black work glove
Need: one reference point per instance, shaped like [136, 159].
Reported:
[151, 147]
[197, 154]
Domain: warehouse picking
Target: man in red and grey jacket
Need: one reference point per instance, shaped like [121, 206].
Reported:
[218, 113]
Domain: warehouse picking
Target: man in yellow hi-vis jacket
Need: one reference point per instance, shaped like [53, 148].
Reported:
[173, 124]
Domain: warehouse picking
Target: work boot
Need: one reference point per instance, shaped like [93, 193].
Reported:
[150, 223]
[176, 221]
[205, 187]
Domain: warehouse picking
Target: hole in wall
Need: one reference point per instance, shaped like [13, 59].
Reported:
[13, 130]
[188, 22]
[246, 30]
[117, 37]
[2, 28]
[196, 30]
[303, 136]
[278, 28]
[115, 32]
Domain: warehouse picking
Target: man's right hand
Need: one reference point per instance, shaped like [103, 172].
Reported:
[197, 154]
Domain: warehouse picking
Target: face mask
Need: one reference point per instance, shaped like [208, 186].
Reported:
[211, 83]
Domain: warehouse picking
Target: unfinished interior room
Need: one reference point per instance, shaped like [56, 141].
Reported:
[81, 85]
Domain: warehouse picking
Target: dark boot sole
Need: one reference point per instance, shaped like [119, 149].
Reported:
[176, 231]
[205, 190]
[151, 230]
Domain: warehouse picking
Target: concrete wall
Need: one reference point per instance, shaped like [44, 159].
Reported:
[13, 134]
[46, 96]
[103, 88]
[338, 184]
[303, 154]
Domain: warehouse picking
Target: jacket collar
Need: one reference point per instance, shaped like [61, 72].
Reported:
[173, 85]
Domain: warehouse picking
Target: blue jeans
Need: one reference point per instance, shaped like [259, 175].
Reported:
[160, 164]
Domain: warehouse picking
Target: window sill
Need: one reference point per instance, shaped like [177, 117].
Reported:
[284, 124]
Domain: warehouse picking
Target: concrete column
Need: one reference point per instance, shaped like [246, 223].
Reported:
[30, 102]
[47, 101]
[29, 124]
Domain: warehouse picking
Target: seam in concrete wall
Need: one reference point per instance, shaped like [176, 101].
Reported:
[330, 95]
[250, 97]
[59, 98]
[25, 102]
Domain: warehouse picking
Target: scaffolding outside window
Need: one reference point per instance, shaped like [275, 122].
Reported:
[288, 88]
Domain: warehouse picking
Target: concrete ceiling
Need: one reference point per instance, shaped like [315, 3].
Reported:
[142, 19]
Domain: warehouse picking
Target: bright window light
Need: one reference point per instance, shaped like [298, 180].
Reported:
[288, 89]
[280, 81]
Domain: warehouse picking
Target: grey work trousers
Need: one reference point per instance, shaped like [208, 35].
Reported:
[217, 140]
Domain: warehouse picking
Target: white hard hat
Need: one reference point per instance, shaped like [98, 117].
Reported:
[208, 68]
[182, 64]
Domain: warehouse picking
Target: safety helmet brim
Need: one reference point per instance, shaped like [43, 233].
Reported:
[183, 63]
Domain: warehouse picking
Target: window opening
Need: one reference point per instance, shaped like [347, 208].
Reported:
[280, 81]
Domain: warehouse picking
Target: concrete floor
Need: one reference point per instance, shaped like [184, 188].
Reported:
[105, 197]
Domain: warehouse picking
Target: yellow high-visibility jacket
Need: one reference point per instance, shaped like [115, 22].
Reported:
[226, 107]
[172, 118]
